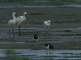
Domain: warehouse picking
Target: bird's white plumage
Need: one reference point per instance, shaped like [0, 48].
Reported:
[12, 22]
[47, 47]
[47, 24]
[21, 19]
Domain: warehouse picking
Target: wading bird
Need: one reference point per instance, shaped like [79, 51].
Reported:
[12, 23]
[20, 20]
[48, 46]
[35, 38]
[47, 25]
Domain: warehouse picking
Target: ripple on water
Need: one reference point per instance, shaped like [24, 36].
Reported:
[36, 54]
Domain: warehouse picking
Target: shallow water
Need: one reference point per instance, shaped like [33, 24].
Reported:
[56, 34]
[41, 54]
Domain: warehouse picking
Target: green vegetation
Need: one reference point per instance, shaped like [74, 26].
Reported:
[11, 55]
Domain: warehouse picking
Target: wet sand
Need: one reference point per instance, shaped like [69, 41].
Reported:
[53, 13]
[59, 37]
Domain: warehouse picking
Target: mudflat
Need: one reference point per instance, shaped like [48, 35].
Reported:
[52, 13]
[55, 13]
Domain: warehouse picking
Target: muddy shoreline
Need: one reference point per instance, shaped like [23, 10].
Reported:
[57, 13]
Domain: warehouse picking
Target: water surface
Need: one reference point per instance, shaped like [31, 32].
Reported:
[41, 54]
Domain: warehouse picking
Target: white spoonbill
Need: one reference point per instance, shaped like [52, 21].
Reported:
[12, 23]
[47, 25]
[20, 20]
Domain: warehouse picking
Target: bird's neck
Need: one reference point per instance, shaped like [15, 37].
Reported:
[13, 16]
[48, 46]
[24, 15]
[49, 22]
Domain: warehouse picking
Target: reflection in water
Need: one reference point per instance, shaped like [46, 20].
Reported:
[41, 54]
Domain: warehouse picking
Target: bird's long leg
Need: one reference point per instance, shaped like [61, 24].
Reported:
[13, 32]
[48, 32]
[44, 31]
[49, 52]
[34, 44]
[46, 52]
[52, 52]
[9, 32]
[19, 30]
